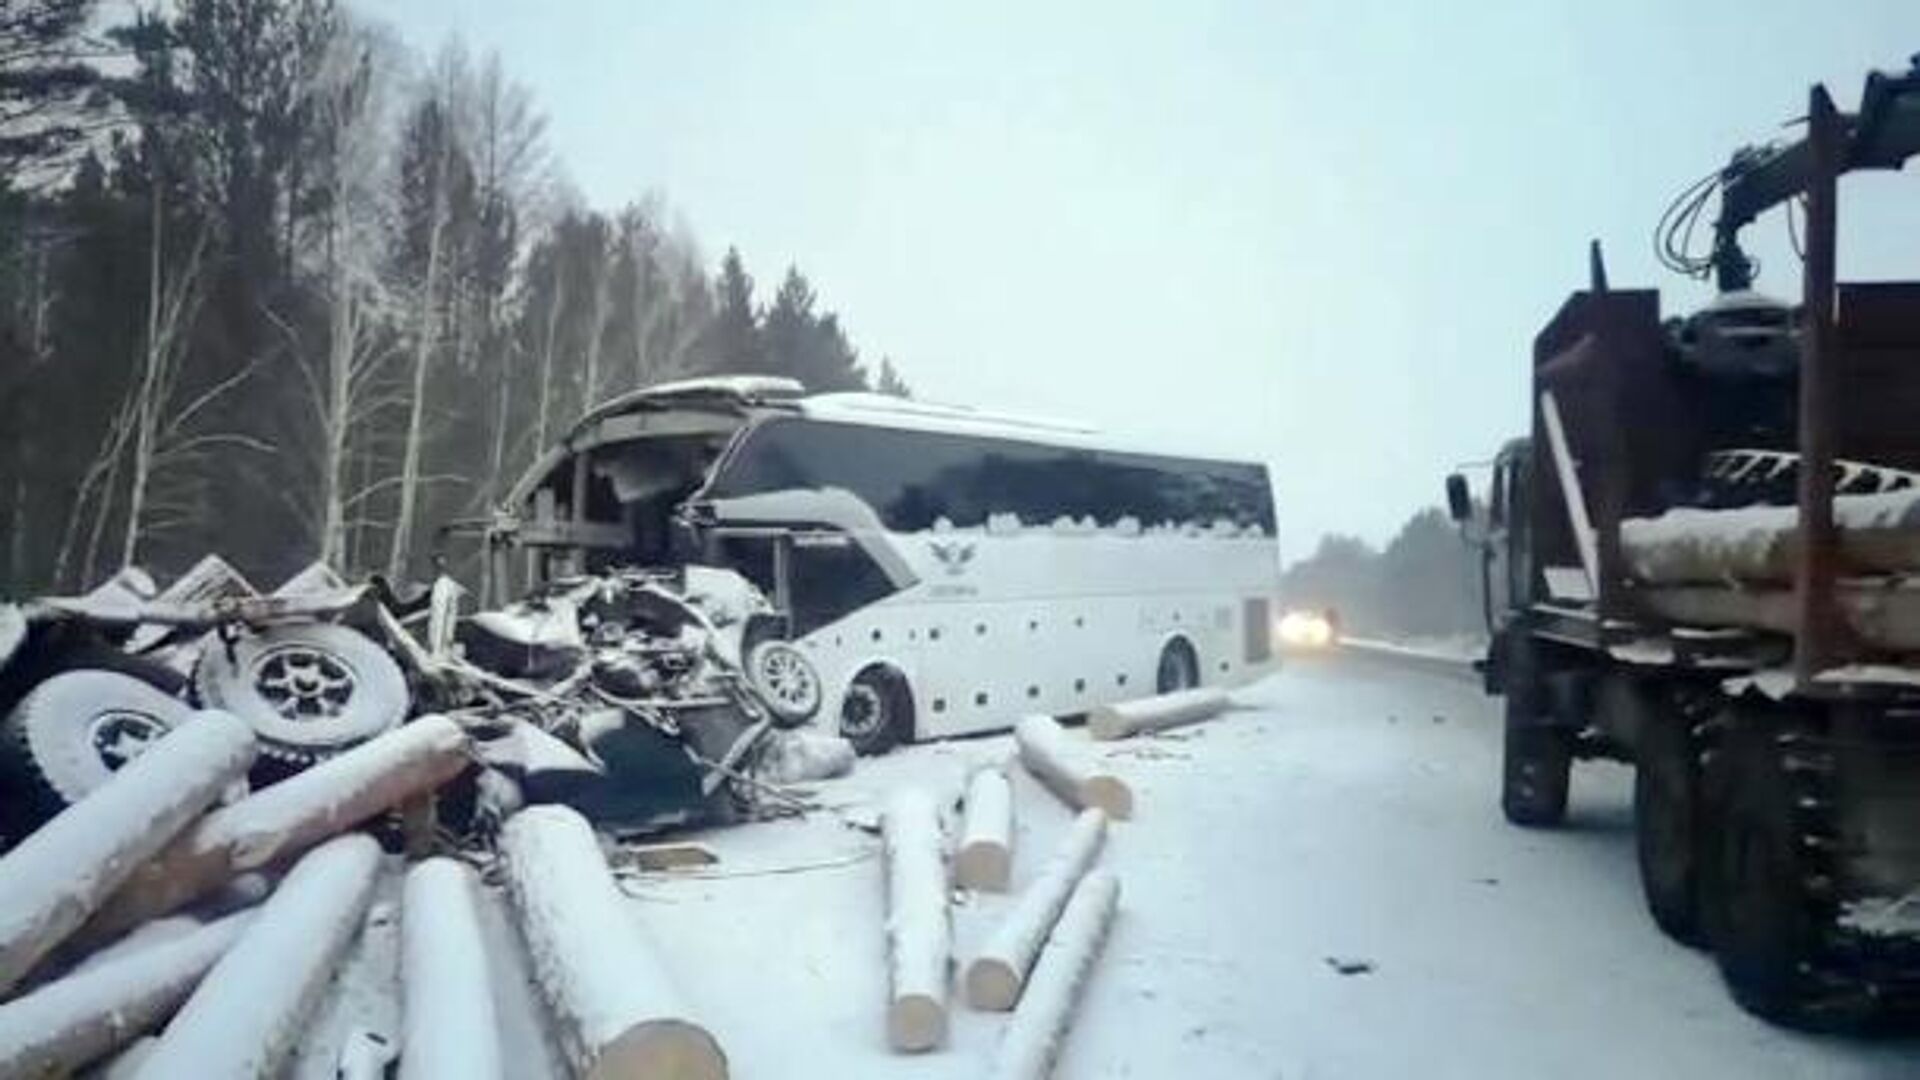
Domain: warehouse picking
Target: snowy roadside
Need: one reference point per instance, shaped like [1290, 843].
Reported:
[1315, 887]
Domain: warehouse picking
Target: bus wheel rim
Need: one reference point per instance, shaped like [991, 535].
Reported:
[864, 712]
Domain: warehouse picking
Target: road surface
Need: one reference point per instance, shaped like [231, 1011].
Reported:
[1345, 822]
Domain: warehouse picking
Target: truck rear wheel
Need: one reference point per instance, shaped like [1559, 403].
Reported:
[1764, 914]
[1536, 767]
[1666, 822]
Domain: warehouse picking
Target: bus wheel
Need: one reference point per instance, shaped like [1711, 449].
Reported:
[877, 712]
[1179, 669]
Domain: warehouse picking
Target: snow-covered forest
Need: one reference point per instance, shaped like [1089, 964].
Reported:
[1425, 583]
[274, 286]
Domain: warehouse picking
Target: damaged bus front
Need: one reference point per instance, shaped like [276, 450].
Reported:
[942, 571]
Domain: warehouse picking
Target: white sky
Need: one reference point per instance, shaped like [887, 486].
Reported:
[1320, 232]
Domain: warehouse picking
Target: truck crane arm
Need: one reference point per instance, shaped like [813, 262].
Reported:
[1882, 135]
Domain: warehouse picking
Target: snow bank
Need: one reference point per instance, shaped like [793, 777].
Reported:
[797, 757]
[67, 868]
[251, 1008]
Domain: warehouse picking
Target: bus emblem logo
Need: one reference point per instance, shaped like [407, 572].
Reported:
[954, 556]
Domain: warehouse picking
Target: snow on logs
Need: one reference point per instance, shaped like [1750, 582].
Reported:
[249, 1011]
[447, 995]
[1876, 533]
[618, 1012]
[995, 977]
[918, 933]
[1046, 753]
[66, 870]
[288, 818]
[64, 1025]
[1130, 718]
[1039, 1026]
[985, 858]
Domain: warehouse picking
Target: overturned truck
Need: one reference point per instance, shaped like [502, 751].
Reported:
[1705, 561]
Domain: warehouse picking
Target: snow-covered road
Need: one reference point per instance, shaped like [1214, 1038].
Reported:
[1347, 821]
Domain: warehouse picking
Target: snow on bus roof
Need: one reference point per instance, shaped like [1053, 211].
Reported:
[883, 410]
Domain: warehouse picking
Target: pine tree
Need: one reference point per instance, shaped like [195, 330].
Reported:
[890, 382]
[732, 341]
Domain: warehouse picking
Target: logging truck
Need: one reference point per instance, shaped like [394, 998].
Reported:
[1704, 561]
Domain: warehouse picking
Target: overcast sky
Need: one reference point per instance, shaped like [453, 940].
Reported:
[1320, 232]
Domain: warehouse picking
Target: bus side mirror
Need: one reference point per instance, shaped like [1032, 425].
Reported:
[1459, 499]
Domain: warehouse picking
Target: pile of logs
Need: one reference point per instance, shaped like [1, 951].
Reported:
[100, 954]
[1037, 961]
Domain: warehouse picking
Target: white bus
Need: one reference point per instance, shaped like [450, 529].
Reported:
[946, 571]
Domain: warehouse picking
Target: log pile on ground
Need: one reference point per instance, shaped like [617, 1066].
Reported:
[1146, 715]
[918, 929]
[999, 970]
[1039, 1026]
[619, 1012]
[985, 858]
[1064, 769]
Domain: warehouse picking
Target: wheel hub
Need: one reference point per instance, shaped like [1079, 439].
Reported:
[120, 736]
[863, 713]
[786, 679]
[303, 683]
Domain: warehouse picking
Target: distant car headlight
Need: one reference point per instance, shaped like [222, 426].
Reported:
[1305, 630]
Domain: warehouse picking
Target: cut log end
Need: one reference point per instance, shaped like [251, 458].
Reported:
[916, 1023]
[661, 1050]
[987, 867]
[1108, 793]
[992, 985]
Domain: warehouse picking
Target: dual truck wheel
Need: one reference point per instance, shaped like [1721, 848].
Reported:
[1726, 853]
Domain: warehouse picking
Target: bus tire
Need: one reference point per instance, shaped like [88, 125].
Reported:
[876, 713]
[1666, 823]
[1178, 668]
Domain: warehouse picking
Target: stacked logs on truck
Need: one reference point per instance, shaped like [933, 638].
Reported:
[1735, 568]
[93, 959]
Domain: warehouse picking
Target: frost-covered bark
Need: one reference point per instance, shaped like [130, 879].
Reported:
[67, 869]
[450, 1028]
[247, 1014]
[985, 858]
[602, 979]
[1130, 718]
[1039, 1026]
[1059, 765]
[999, 970]
[918, 931]
[289, 817]
[1760, 543]
[64, 1025]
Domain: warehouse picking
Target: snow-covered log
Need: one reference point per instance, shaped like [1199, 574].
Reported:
[68, 868]
[618, 1012]
[999, 970]
[918, 932]
[985, 858]
[1877, 534]
[1053, 761]
[250, 1010]
[79, 1019]
[1039, 1026]
[288, 818]
[1130, 718]
[1882, 616]
[450, 1029]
